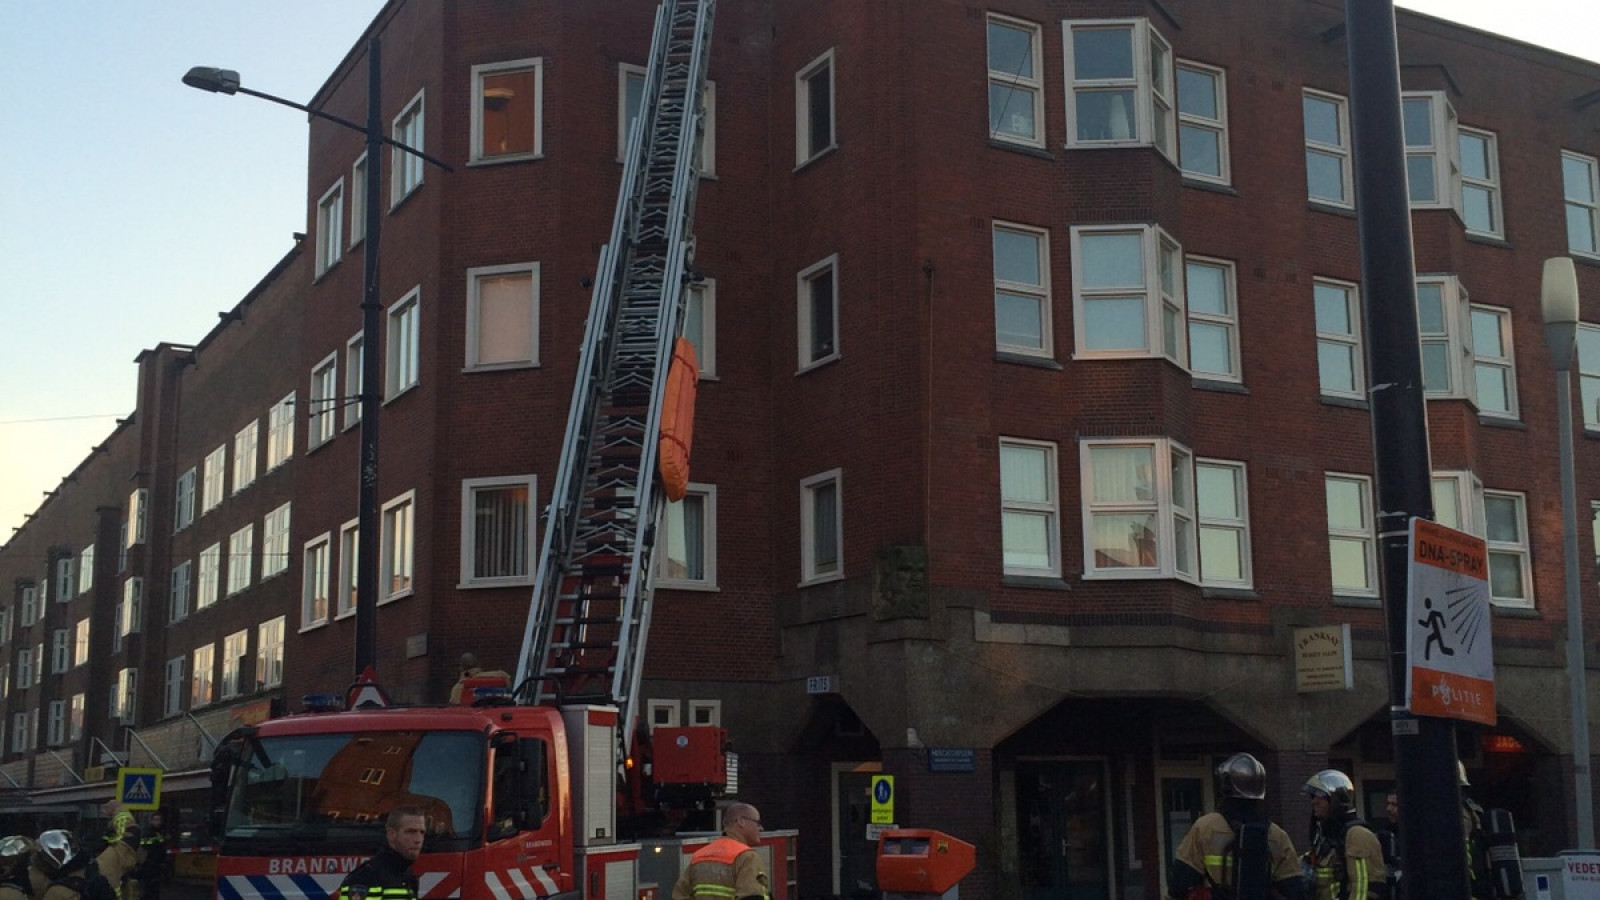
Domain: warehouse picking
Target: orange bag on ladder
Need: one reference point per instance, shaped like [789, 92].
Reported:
[677, 419]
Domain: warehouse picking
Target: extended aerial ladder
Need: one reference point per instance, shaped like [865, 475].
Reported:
[584, 640]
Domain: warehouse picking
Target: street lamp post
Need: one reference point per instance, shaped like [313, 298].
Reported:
[1559, 302]
[226, 81]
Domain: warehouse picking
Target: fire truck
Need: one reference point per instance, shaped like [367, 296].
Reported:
[530, 792]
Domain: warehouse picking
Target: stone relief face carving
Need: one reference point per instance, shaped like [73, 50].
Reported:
[900, 583]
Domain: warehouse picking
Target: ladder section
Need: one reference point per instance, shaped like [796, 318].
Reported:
[584, 639]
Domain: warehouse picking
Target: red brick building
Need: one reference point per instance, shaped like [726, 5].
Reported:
[1033, 423]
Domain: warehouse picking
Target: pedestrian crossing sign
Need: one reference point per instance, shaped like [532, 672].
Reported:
[139, 789]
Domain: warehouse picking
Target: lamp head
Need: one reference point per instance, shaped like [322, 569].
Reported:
[1558, 301]
[217, 81]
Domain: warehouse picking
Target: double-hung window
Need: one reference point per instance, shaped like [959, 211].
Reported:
[234, 648]
[358, 200]
[275, 541]
[686, 554]
[330, 227]
[1327, 127]
[280, 432]
[80, 643]
[630, 95]
[1203, 122]
[1016, 81]
[497, 530]
[700, 323]
[813, 110]
[325, 401]
[56, 728]
[1030, 509]
[1022, 320]
[403, 344]
[1223, 509]
[1443, 327]
[244, 455]
[172, 696]
[1506, 530]
[1458, 501]
[1480, 182]
[1589, 374]
[269, 653]
[202, 675]
[1340, 363]
[60, 651]
[503, 316]
[130, 613]
[206, 580]
[240, 546]
[1127, 292]
[1210, 289]
[1138, 509]
[817, 307]
[349, 548]
[822, 527]
[508, 110]
[216, 467]
[1119, 76]
[406, 169]
[138, 530]
[1433, 173]
[314, 583]
[178, 597]
[1580, 183]
[183, 506]
[353, 383]
[395, 556]
[1352, 539]
[1494, 365]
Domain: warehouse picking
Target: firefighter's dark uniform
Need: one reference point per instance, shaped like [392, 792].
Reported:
[1361, 857]
[725, 869]
[1205, 849]
[386, 876]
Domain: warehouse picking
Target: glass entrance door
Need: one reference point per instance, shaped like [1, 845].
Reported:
[1064, 829]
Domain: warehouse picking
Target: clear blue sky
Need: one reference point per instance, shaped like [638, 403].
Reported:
[134, 209]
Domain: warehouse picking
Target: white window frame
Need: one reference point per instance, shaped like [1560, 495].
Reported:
[482, 155]
[1220, 522]
[402, 348]
[235, 647]
[1458, 500]
[406, 170]
[80, 643]
[75, 717]
[245, 451]
[811, 571]
[269, 653]
[1166, 329]
[1226, 321]
[474, 337]
[1438, 155]
[1194, 121]
[60, 651]
[323, 418]
[172, 696]
[1350, 341]
[241, 553]
[275, 541]
[804, 301]
[138, 525]
[629, 75]
[214, 486]
[705, 713]
[64, 581]
[351, 400]
[1171, 506]
[1486, 363]
[397, 556]
[804, 140]
[202, 676]
[1518, 548]
[208, 577]
[1047, 507]
[358, 199]
[85, 571]
[130, 612]
[1013, 84]
[127, 694]
[1452, 334]
[330, 228]
[315, 599]
[183, 502]
[1039, 292]
[56, 724]
[470, 488]
[1340, 152]
[1363, 536]
[1579, 207]
[30, 604]
[1487, 183]
[661, 713]
[700, 299]
[344, 597]
[280, 432]
[668, 536]
[179, 592]
[1151, 84]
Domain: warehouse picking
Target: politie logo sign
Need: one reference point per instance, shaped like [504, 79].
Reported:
[1451, 658]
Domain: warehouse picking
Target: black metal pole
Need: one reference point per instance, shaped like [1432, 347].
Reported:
[1424, 747]
[367, 525]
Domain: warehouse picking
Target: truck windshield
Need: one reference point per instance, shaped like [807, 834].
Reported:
[321, 786]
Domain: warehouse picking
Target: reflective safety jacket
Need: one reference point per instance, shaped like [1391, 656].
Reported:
[725, 869]
[1207, 849]
[386, 876]
[1348, 868]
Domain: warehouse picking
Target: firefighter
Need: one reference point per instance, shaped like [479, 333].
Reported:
[153, 861]
[1480, 875]
[1210, 851]
[119, 822]
[1346, 859]
[73, 874]
[470, 669]
[387, 875]
[16, 853]
[728, 868]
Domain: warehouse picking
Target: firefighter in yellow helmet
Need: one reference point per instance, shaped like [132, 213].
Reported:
[728, 868]
[1210, 853]
[1345, 857]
